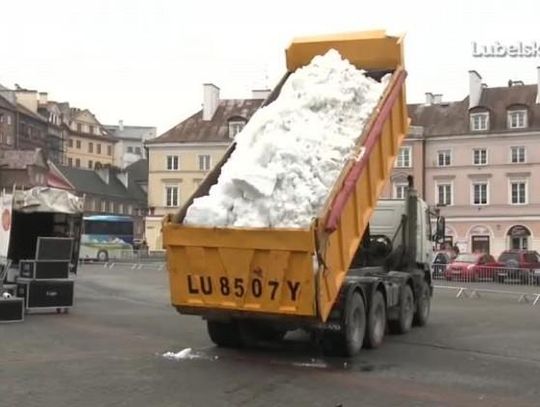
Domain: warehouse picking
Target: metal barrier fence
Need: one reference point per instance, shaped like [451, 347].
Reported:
[476, 273]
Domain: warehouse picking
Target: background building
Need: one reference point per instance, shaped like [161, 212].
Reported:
[180, 158]
[129, 147]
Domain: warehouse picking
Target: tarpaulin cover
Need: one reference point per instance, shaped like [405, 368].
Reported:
[45, 199]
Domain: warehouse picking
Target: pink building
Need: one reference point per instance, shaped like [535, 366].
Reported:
[479, 160]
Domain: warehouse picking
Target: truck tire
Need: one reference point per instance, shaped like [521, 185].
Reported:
[253, 332]
[423, 305]
[349, 340]
[224, 334]
[376, 322]
[404, 323]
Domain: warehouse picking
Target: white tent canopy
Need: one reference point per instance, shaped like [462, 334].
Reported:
[45, 199]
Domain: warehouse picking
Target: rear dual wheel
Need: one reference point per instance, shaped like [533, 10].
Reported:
[404, 322]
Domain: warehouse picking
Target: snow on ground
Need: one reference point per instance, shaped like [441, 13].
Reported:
[188, 354]
[289, 155]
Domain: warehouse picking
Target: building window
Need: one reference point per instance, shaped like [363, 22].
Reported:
[90, 147]
[172, 162]
[444, 158]
[90, 164]
[517, 119]
[77, 162]
[171, 196]
[138, 150]
[518, 192]
[130, 149]
[404, 158]
[111, 207]
[103, 205]
[204, 162]
[518, 155]
[480, 193]
[8, 119]
[70, 143]
[399, 190]
[479, 156]
[98, 148]
[70, 161]
[120, 208]
[444, 194]
[109, 150]
[130, 209]
[479, 121]
[78, 144]
[79, 127]
[235, 127]
[91, 129]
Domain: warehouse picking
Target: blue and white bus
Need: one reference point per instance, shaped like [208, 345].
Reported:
[106, 237]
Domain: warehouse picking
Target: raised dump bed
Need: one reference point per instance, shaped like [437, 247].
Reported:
[295, 273]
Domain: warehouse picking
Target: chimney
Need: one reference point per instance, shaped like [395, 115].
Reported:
[121, 125]
[43, 98]
[538, 84]
[475, 89]
[210, 100]
[437, 99]
[260, 93]
[123, 178]
[104, 173]
[429, 98]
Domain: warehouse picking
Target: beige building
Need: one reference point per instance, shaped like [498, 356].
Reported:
[88, 145]
[180, 158]
[482, 163]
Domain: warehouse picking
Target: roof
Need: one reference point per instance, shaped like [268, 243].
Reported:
[138, 170]
[196, 130]
[139, 133]
[89, 182]
[452, 118]
[6, 104]
[21, 159]
[28, 112]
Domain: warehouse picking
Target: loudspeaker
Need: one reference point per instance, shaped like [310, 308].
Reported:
[11, 309]
[46, 294]
[44, 269]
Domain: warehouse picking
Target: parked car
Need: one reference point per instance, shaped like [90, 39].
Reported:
[440, 262]
[471, 267]
[522, 265]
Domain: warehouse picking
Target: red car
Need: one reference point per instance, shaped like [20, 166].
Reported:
[471, 267]
[522, 265]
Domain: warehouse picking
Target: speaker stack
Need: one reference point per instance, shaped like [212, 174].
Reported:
[11, 307]
[43, 283]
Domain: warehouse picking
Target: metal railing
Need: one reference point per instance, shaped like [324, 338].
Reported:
[496, 275]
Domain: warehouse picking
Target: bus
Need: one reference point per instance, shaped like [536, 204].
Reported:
[106, 237]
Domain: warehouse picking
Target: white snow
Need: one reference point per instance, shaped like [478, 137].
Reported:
[183, 354]
[291, 152]
[188, 354]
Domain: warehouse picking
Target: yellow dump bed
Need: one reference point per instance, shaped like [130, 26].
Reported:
[295, 272]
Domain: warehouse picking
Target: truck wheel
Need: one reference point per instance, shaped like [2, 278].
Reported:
[376, 324]
[423, 305]
[347, 342]
[406, 313]
[224, 334]
[103, 256]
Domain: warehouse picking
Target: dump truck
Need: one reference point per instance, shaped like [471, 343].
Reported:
[362, 267]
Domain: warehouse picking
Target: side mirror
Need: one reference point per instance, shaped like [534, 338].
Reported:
[440, 229]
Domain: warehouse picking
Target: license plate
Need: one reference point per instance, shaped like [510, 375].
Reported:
[238, 287]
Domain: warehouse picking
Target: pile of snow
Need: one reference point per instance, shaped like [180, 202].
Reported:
[183, 354]
[289, 155]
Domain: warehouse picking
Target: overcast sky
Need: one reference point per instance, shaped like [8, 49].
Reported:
[145, 61]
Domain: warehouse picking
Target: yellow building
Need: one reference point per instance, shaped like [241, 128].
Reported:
[179, 159]
[88, 144]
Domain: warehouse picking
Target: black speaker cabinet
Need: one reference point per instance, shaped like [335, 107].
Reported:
[49, 294]
[44, 269]
[11, 309]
